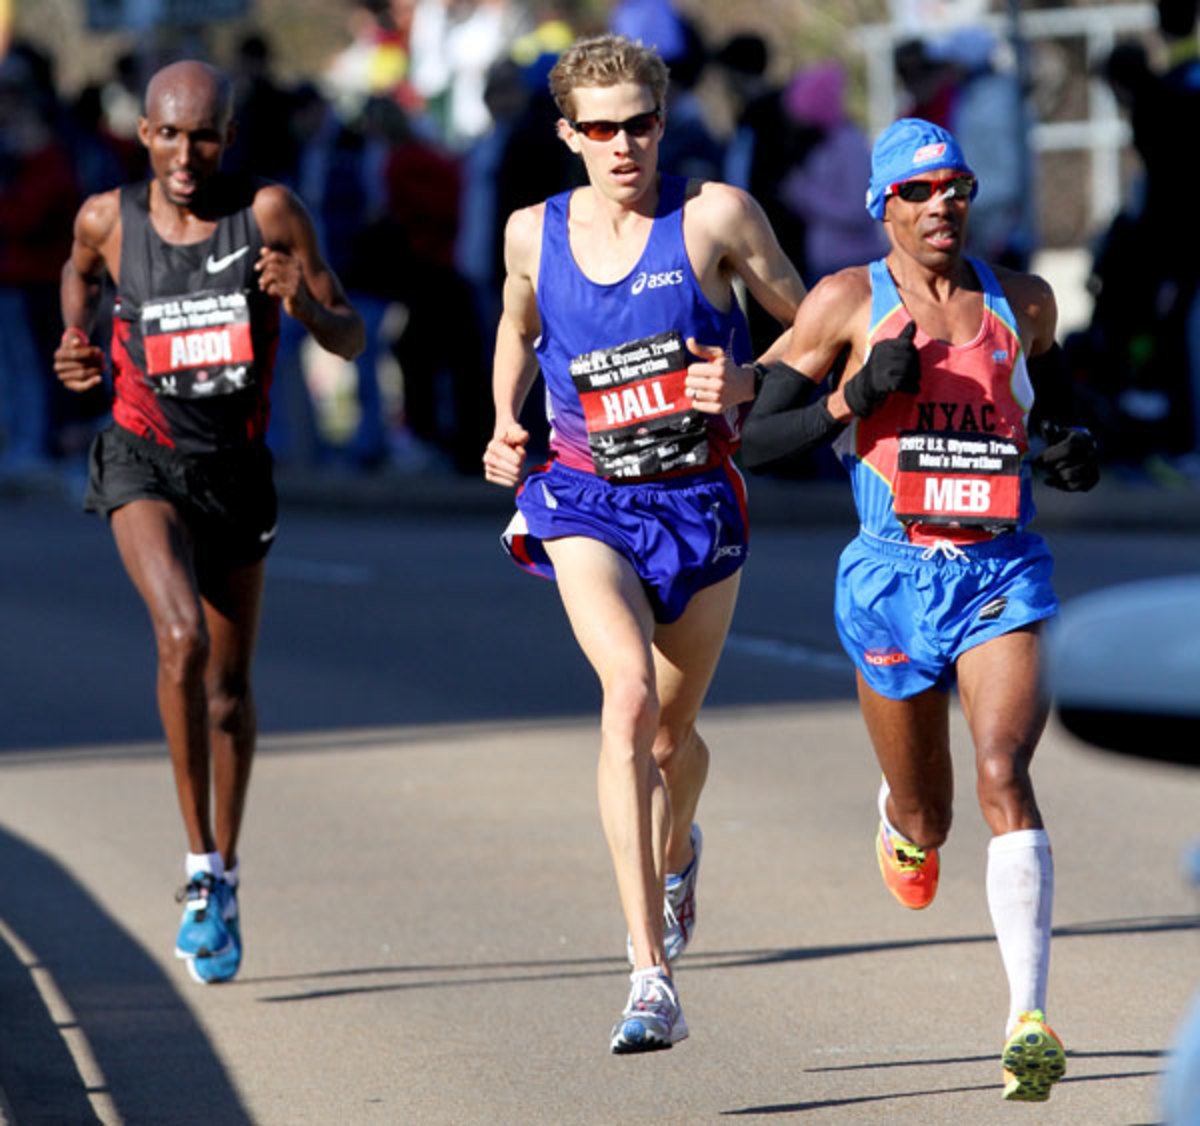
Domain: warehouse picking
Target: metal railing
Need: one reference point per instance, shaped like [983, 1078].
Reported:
[1102, 133]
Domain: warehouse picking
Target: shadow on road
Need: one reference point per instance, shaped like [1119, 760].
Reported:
[467, 974]
[88, 1018]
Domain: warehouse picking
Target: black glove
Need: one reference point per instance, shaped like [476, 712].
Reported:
[1071, 459]
[893, 365]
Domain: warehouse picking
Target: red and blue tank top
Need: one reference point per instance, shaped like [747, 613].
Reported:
[948, 463]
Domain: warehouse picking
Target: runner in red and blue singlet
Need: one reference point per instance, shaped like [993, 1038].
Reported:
[955, 370]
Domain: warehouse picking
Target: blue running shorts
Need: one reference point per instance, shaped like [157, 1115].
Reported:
[906, 613]
[681, 534]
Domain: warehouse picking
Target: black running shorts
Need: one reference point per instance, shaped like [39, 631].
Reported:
[227, 500]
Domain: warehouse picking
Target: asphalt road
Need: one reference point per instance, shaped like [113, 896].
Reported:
[432, 932]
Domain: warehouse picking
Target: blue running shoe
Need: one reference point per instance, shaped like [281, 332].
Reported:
[679, 906]
[202, 931]
[653, 1019]
[222, 967]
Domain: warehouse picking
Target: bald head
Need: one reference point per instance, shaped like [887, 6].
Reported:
[190, 88]
[188, 122]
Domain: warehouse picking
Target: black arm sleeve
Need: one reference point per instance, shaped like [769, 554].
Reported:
[784, 420]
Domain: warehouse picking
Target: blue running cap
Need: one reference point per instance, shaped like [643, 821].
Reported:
[905, 149]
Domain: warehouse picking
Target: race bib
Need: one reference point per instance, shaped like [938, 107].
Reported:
[965, 480]
[198, 345]
[640, 421]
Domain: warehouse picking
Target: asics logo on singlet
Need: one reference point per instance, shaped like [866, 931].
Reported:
[655, 281]
[216, 265]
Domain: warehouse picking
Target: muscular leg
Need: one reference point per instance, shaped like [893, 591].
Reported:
[613, 623]
[1006, 710]
[686, 653]
[999, 684]
[912, 742]
[156, 550]
[232, 602]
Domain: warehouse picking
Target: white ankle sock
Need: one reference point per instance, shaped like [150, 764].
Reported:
[1020, 894]
[884, 790]
[197, 862]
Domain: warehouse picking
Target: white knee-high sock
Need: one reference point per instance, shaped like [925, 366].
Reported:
[1020, 894]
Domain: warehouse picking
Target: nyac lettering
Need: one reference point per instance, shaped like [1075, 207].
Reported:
[634, 402]
[956, 416]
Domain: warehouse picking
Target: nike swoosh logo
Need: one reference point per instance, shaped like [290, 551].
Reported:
[216, 265]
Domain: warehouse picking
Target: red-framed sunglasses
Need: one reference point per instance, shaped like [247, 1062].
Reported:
[639, 125]
[960, 186]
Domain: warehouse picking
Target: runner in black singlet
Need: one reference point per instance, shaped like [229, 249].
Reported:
[201, 262]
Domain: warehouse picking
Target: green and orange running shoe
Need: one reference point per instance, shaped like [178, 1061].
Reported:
[1034, 1059]
[910, 873]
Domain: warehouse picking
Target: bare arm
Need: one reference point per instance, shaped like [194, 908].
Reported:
[79, 364]
[515, 365]
[735, 239]
[292, 268]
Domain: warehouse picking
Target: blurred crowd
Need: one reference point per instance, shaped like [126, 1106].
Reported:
[435, 122]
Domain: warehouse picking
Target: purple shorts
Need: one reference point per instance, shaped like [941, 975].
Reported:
[680, 534]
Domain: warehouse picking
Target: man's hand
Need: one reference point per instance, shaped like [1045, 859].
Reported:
[505, 454]
[281, 275]
[78, 363]
[893, 365]
[1071, 459]
[716, 382]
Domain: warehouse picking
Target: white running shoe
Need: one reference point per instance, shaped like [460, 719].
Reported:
[653, 1019]
[679, 906]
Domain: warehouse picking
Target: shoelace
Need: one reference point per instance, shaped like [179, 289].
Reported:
[654, 991]
[909, 856]
[948, 549]
[203, 880]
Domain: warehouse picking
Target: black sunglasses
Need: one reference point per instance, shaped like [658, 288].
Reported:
[639, 125]
[959, 186]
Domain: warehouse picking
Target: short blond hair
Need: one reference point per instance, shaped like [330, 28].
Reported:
[606, 60]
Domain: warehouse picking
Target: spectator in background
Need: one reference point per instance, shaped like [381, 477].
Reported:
[261, 106]
[824, 190]
[377, 59]
[478, 252]
[38, 198]
[344, 181]
[767, 143]
[688, 147]
[1139, 360]
[988, 115]
[928, 84]
[534, 165]
[454, 42]
[102, 158]
[440, 350]
[122, 97]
